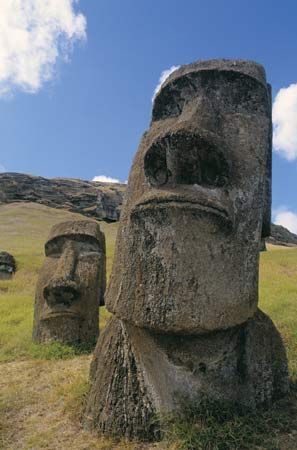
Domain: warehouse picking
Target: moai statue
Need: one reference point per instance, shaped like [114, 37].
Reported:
[71, 284]
[7, 265]
[184, 284]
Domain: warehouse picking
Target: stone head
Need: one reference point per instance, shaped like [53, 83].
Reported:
[198, 202]
[7, 265]
[71, 284]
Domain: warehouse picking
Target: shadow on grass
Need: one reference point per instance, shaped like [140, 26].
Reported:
[214, 425]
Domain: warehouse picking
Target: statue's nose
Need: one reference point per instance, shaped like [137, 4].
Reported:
[61, 292]
[62, 288]
[187, 158]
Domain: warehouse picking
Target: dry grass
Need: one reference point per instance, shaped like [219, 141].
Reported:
[41, 407]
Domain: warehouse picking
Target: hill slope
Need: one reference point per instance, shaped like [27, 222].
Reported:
[102, 201]
[281, 236]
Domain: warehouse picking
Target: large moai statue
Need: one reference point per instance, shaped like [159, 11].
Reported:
[71, 284]
[184, 284]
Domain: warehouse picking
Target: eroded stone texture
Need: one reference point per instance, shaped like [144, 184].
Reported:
[7, 265]
[138, 375]
[184, 284]
[71, 284]
[187, 254]
[120, 402]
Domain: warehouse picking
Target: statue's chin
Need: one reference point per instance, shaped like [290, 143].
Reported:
[60, 327]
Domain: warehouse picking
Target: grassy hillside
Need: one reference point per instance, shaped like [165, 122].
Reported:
[42, 387]
[278, 295]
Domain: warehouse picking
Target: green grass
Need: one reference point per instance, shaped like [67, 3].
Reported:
[51, 381]
[278, 296]
[225, 426]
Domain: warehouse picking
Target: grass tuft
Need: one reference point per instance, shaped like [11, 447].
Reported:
[56, 350]
[214, 425]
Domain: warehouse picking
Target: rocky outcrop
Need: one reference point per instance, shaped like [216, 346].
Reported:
[281, 236]
[101, 201]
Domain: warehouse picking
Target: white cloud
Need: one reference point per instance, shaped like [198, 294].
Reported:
[105, 179]
[34, 34]
[2, 168]
[163, 77]
[286, 218]
[284, 114]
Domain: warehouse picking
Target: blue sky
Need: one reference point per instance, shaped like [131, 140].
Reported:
[84, 117]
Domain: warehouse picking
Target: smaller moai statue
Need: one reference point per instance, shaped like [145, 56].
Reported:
[7, 265]
[71, 284]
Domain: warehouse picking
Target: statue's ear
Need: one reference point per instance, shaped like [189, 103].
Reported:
[268, 179]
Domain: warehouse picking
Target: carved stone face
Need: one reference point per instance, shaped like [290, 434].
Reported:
[7, 266]
[188, 245]
[71, 284]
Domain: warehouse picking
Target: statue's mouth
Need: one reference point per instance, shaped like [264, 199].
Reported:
[204, 206]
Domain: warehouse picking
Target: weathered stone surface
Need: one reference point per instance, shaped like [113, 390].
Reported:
[94, 199]
[119, 402]
[263, 245]
[187, 253]
[71, 284]
[138, 375]
[7, 265]
[184, 284]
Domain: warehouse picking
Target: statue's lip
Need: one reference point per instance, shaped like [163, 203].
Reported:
[183, 202]
[63, 313]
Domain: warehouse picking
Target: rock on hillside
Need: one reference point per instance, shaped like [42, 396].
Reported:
[281, 236]
[102, 201]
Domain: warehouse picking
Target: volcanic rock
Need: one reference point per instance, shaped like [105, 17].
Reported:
[101, 201]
